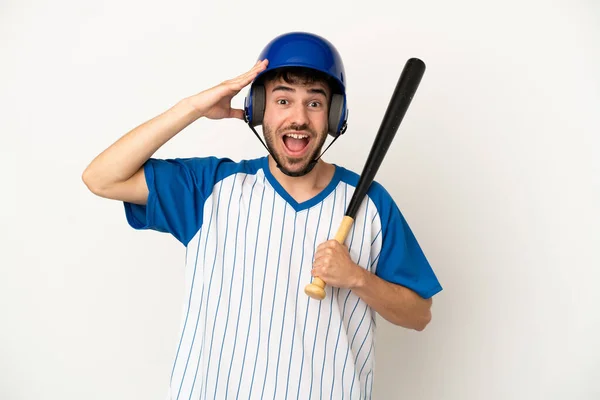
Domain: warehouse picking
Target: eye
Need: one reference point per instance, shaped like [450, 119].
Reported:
[314, 104]
[281, 101]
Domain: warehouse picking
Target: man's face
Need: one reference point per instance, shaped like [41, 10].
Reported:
[295, 122]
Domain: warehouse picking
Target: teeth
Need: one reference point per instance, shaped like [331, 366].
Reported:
[296, 136]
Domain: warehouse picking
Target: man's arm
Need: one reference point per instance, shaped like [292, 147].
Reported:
[397, 304]
[117, 173]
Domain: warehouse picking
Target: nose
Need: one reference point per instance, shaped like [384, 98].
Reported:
[299, 115]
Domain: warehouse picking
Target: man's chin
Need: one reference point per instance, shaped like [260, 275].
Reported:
[294, 165]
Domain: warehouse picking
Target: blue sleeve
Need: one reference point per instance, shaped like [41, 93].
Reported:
[177, 189]
[401, 259]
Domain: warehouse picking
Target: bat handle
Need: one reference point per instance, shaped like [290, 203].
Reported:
[316, 289]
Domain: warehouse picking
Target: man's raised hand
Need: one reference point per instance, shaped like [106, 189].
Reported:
[215, 103]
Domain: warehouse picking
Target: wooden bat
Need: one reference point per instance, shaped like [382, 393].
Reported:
[401, 98]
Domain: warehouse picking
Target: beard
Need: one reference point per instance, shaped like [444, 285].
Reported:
[293, 164]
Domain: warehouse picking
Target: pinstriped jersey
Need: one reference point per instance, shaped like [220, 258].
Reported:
[248, 329]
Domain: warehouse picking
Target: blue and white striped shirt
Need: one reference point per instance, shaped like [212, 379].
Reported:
[249, 331]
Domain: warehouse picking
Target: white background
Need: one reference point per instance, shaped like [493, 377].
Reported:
[496, 167]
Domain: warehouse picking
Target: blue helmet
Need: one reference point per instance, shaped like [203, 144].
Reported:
[301, 49]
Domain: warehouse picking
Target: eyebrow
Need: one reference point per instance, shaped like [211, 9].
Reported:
[289, 89]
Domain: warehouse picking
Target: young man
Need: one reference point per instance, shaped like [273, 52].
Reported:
[257, 231]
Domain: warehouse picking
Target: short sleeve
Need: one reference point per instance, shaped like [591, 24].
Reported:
[401, 259]
[178, 189]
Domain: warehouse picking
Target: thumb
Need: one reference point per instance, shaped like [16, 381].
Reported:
[236, 113]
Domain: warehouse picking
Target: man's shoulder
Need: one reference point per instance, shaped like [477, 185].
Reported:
[377, 192]
[219, 167]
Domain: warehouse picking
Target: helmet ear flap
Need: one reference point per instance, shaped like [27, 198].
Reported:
[255, 105]
[337, 119]
[258, 100]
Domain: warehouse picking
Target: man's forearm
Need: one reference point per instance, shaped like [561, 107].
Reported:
[397, 304]
[124, 158]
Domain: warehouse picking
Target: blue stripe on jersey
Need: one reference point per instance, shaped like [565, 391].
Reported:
[220, 283]
[273, 300]
[244, 335]
[189, 305]
[330, 295]
[262, 293]
[203, 329]
[286, 299]
[307, 309]
[230, 285]
[296, 309]
[252, 292]
[243, 281]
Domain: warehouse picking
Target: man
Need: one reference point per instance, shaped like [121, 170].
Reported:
[257, 231]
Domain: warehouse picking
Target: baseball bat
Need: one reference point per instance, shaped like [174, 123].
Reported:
[402, 96]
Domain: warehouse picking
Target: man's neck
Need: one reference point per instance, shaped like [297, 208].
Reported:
[302, 188]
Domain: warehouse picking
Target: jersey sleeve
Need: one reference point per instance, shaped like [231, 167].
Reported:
[178, 189]
[401, 259]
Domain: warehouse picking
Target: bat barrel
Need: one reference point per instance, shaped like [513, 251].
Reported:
[402, 96]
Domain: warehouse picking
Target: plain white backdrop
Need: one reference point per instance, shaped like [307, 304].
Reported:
[496, 167]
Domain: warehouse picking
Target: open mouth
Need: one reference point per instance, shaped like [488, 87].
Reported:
[295, 143]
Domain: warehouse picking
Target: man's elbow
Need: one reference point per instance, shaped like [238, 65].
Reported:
[423, 320]
[92, 183]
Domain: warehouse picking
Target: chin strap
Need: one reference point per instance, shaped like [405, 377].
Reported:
[306, 170]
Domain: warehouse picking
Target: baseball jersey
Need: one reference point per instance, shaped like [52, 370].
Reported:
[248, 329]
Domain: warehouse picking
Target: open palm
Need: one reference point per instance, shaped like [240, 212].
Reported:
[215, 103]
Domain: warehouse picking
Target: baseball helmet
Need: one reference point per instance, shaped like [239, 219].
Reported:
[308, 50]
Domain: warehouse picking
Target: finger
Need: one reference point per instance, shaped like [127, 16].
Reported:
[323, 246]
[323, 263]
[317, 262]
[260, 64]
[333, 243]
[320, 255]
[329, 244]
[236, 113]
[250, 75]
[241, 82]
[244, 79]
